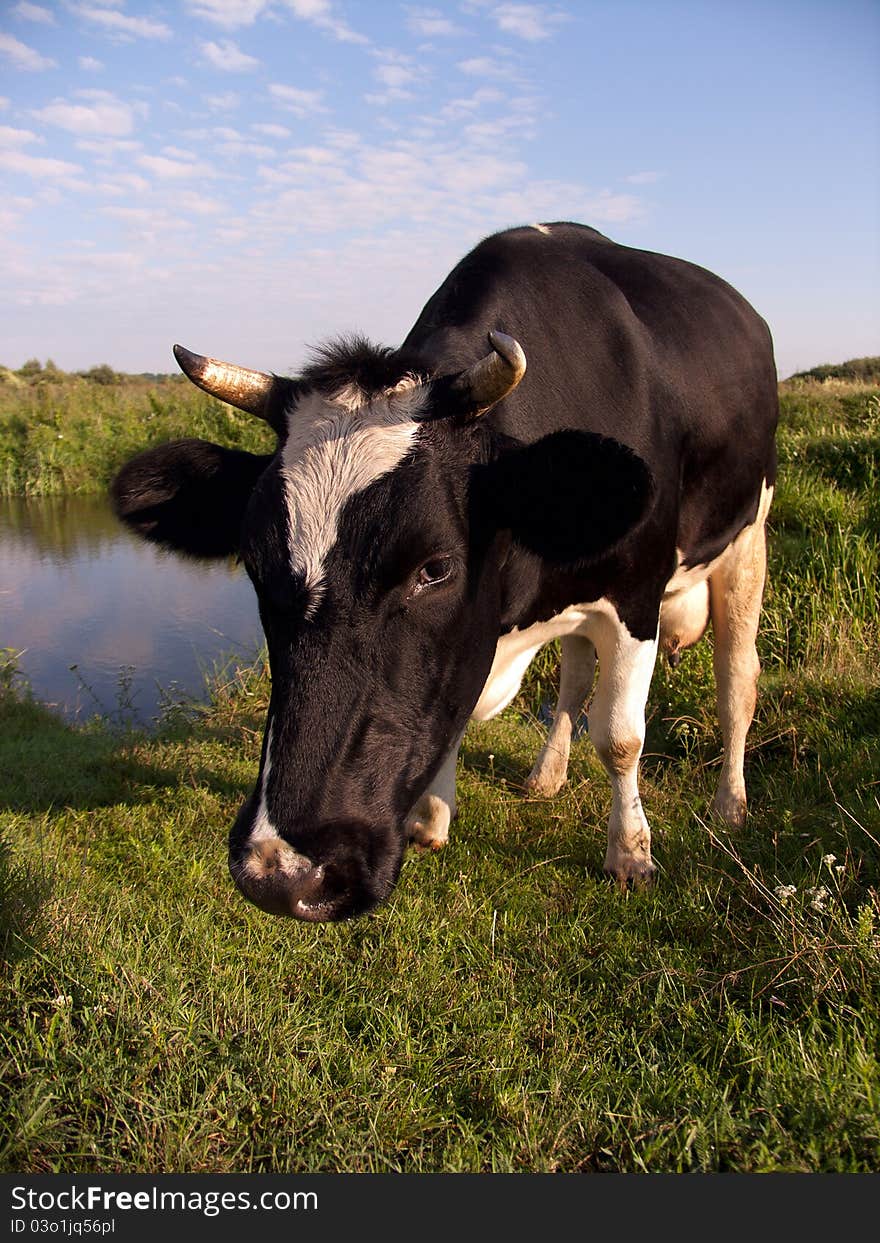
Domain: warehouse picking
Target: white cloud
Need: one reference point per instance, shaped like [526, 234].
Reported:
[124, 183]
[272, 131]
[236, 149]
[228, 13]
[430, 23]
[320, 14]
[300, 102]
[173, 170]
[90, 64]
[485, 67]
[528, 21]
[178, 153]
[457, 108]
[123, 25]
[4, 103]
[106, 148]
[37, 166]
[643, 179]
[105, 115]
[22, 56]
[227, 101]
[10, 137]
[233, 14]
[229, 57]
[394, 75]
[34, 13]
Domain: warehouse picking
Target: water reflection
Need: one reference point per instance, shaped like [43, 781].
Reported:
[76, 589]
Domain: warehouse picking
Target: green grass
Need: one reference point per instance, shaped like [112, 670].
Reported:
[72, 435]
[508, 1009]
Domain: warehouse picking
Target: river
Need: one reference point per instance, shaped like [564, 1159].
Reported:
[103, 623]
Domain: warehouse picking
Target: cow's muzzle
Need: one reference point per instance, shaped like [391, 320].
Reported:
[337, 871]
[277, 879]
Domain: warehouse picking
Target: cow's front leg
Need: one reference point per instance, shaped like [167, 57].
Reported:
[427, 825]
[617, 728]
[575, 682]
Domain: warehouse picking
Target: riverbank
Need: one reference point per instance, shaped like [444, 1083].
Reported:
[508, 1009]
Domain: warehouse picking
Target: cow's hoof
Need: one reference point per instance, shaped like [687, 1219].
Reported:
[630, 873]
[730, 806]
[546, 778]
[427, 825]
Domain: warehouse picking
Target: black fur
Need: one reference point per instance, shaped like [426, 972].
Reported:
[356, 361]
[188, 495]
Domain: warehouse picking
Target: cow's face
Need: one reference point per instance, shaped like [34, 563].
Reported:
[376, 538]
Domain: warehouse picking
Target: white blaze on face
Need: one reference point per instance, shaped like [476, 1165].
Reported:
[335, 448]
[262, 829]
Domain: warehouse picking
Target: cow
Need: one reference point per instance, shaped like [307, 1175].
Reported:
[575, 441]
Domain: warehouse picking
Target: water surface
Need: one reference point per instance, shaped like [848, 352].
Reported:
[105, 623]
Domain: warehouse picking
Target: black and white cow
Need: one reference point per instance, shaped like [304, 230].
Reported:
[434, 514]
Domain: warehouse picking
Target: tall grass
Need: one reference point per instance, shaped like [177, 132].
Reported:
[72, 435]
[508, 1009]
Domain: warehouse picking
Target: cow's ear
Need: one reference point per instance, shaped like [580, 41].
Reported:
[570, 497]
[188, 495]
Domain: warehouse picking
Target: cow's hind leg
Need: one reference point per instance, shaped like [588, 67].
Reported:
[735, 591]
[578, 667]
[617, 729]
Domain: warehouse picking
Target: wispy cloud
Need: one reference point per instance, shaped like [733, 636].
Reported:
[169, 169]
[229, 57]
[643, 179]
[431, 23]
[294, 99]
[90, 64]
[233, 14]
[271, 130]
[34, 13]
[321, 14]
[230, 14]
[487, 67]
[103, 115]
[225, 101]
[38, 166]
[532, 22]
[11, 137]
[22, 56]
[122, 25]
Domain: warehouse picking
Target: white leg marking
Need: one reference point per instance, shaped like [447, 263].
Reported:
[428, 823]
[617, 728]
[575, 683]
[736, 587]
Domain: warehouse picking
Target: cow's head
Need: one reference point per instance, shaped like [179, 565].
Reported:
[379, 537]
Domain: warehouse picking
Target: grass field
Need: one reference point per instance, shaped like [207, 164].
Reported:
[508, 1010]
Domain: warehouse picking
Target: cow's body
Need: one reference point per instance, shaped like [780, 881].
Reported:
[414, 542]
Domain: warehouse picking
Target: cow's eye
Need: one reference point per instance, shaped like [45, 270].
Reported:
[434, 571]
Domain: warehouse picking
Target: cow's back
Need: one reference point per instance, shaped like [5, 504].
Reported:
[654, 351]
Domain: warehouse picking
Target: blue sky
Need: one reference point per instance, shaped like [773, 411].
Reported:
[248, 177]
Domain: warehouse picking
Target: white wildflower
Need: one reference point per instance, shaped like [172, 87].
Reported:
[784, 892]
[829, 859]
[819, 895]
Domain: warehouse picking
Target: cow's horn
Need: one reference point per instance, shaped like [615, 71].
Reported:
[239, 386]
[494, 376]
